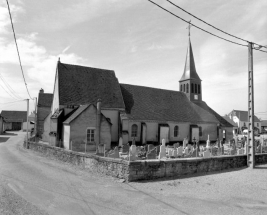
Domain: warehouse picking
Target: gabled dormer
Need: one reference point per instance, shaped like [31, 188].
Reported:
[190, 83]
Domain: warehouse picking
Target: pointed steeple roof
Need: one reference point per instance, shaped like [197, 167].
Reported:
[190, 68]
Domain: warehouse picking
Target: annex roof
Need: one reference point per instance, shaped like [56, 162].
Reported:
[145, 103]
[14, 116]
[80, 85]
[78, 111]
[264, 123]
[243, 115]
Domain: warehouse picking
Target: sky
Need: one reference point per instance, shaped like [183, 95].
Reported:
[143, 44]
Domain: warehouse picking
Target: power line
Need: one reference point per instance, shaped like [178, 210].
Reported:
[260, 50]
[12, 102]
[17, 49]
[9, 93]
[212, 25]
[196, 26]
[9, 87]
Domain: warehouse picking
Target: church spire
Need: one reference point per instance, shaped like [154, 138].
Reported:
[190, 83]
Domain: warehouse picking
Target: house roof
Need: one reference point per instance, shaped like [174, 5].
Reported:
[227, 118]
[264, 123]
[243, 115]
[45, 99]
[79, 85]
[78, 111]
[14, 116]
[145, 103]
[190, 68]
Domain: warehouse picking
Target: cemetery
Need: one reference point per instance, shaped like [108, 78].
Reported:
[148, 162]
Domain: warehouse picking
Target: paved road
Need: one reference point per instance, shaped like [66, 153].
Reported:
[32, 184]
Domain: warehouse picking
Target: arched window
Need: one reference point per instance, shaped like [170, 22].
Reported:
[134, 130]
[187, 87]
[192, 88]
[199, 89]
[200, 131]
[181, 87]
[176, 131]
[184, 87]
[195, 88]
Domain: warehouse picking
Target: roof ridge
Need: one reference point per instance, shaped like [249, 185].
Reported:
[87, 67]
[151, 88]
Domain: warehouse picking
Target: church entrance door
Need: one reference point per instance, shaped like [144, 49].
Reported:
[164, 133]
[194, 133]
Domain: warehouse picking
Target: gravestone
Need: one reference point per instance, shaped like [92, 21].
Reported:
[175, 153]
[222, 148]
[240, 151]
[170, 152]
[232, 151]
[194, 153]
[206, 154]
[132, 153]
[176, 145]
[125, 148]
[208, 142]
[162, 150]
[114, 153]
[186, 151]
[180, 151]
[152, 154]
[219, 152]
[120, 142]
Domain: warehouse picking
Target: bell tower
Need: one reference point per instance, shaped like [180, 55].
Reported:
[190, 83]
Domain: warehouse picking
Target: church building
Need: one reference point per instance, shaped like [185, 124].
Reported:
[130, 112]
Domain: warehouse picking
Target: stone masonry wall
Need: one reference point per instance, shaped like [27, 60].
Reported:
[146, 169]
[110, 166]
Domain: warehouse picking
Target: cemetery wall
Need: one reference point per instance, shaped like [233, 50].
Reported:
[110, 166]
[145, 169]
[152, 169]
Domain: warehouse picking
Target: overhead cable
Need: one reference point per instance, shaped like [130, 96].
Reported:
[196, 26]
[18, 49]
[212, 25]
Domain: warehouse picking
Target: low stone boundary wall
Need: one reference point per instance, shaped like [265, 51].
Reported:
[110, 166]
[146, 169]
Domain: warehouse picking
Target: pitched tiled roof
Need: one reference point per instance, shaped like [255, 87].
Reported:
[230, 121]
[45, 99]
[14, 116]
[78, 111]
[79, 85]
[243, 115]
[145, 103]
[264, 123]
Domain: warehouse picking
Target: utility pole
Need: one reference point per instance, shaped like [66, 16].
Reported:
[251, 145]
[27, 123]
[35, 120]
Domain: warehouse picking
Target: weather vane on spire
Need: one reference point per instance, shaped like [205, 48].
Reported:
[189, 26]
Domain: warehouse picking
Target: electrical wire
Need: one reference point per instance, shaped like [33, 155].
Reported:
[17, 49]
[212, 25]
[12, 102]
[196, 26]
[9, 87]
[9, 93]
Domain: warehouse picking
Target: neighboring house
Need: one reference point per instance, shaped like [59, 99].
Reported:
[264, 126]
[241, 118]
[1, 125]
[235, 125]
[31, 122]
[43, 110]
[13, 120]
[134, 112]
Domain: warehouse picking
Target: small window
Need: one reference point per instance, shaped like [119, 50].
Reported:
[184, 87]
[257, 124]
[181, 87]
[176, 131]
[134, 130]
[90, 135]
[200, 131]
[187, 87]
[199, 89]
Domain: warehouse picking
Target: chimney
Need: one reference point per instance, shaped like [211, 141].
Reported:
[41, 90]
[98, 123]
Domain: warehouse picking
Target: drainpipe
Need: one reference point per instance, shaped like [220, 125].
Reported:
[98, 123]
